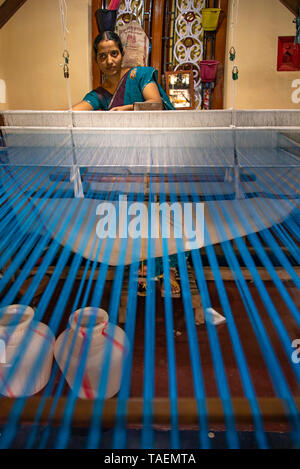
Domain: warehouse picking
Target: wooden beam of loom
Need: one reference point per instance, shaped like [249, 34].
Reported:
[8, 9]
[226, 273]
[272, 410]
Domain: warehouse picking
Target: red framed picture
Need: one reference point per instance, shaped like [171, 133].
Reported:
[288, 59]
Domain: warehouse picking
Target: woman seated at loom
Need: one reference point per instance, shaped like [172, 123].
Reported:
[120, 90]
[122, 87]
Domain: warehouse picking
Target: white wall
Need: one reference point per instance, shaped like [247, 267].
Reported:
[260, 86]
[31, 48]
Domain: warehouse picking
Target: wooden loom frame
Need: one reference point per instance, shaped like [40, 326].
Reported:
[272, 411]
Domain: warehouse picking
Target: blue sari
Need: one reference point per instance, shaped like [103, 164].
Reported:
[129, 91]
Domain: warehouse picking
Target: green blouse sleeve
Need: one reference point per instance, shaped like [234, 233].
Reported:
[93, 99]
[146, 75]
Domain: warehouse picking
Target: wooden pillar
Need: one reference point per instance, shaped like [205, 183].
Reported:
[95, 69]
[220, 55]
[158, 10]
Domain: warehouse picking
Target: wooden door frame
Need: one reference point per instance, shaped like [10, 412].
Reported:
[95, 69]
[220, 56]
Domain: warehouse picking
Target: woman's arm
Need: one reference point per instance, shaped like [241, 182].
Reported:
[83, 106]
[150, 94]
[128, 107]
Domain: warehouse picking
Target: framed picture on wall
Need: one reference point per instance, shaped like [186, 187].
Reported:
[288, 58]
[180, 89]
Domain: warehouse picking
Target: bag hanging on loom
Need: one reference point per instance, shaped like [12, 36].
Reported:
[136, 45]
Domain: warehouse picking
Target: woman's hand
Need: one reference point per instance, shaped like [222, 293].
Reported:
[83, 106]
[129, 107]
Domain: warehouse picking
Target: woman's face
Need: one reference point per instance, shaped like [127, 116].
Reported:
[109, 57]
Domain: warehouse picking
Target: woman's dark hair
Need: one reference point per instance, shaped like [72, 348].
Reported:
[107, 36]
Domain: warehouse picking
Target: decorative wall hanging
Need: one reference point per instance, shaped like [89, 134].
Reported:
[130, 10]
[288, 59]
[188, 44]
